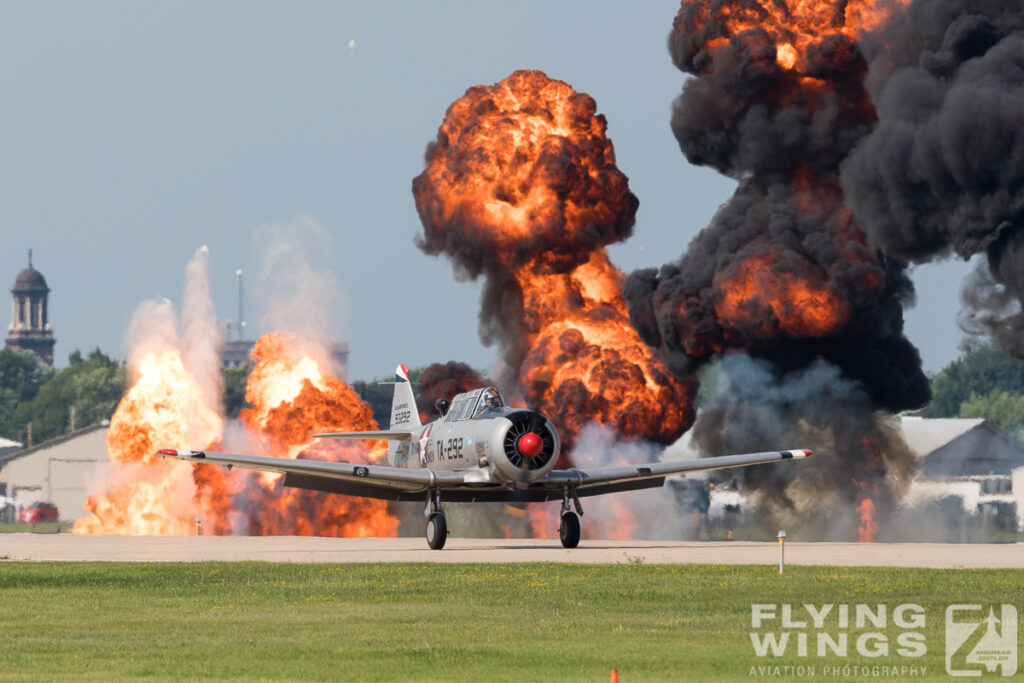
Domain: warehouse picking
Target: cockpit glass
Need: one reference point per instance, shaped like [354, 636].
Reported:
[489, 400]
[455, 412]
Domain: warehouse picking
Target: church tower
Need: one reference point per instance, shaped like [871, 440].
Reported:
[30, 326]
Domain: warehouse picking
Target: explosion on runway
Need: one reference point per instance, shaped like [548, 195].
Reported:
[521, 187]
[291, 396]
[864, 134]
[784, 274]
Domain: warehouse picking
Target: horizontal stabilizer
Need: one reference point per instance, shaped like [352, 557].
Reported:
[378, 435]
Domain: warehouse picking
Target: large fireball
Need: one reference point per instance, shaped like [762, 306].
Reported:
[521, 187]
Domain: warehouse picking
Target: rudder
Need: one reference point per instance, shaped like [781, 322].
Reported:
[404, 415]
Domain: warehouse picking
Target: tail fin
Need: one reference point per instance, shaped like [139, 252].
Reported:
[404, 415]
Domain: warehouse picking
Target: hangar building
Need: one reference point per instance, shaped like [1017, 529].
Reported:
[57, 471]
[955, 447]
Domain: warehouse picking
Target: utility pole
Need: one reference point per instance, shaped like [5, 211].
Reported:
[241, 313]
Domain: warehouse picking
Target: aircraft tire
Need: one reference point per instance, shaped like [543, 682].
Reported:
[437, 531]
[569, 531]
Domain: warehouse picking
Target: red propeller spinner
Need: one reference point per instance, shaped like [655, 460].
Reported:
[529, 445]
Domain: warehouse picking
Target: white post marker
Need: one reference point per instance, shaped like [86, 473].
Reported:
[782, 550]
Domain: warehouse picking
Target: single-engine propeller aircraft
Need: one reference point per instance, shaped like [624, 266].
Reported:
[478, 450]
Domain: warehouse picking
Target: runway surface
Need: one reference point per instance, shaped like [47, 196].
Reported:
[24, 546]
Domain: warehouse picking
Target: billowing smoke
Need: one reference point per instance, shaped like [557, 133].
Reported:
[202, 333]
[859, 451]
[784, 273]
[296, 288]
[173, 400]
[445, 380]
[943, 171]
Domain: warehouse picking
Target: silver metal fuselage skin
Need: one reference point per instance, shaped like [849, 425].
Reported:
[477, 443]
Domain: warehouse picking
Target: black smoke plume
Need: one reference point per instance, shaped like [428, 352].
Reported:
[943, 171]
[445, 380]
[783, 284]
[783, 132]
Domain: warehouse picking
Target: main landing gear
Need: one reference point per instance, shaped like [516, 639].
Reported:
[569, 529]
[437, 526]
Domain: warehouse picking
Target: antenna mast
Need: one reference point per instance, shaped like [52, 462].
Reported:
[240, 328]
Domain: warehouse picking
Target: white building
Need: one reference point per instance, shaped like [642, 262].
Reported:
[7, 446]
[968, 471]
[56, 471]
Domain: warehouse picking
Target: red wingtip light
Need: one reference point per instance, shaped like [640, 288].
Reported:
[529, 445]
[808, 453]
[168, 451]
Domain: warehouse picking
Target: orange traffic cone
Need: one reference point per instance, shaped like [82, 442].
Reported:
[614, 677]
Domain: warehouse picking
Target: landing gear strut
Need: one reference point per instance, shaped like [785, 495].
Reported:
[437, 526]
[569, 530]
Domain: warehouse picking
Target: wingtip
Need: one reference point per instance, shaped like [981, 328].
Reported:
[807, 453]
[180, 453]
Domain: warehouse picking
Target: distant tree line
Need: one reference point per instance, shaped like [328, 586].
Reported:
[379, 391]
[51, 402]
[55, 401]
[983, 383]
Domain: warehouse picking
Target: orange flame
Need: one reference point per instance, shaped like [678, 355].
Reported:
[867, 532]
[153, 496]
[524, 177]
[608, 518]
[757, 295]
[588, 364]
[292, 398]
[794, 26]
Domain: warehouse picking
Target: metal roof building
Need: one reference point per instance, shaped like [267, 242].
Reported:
[955, 447]
[57, 471]
[7, 446]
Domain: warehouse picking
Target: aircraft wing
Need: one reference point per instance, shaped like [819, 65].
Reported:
[372, 481]
[396, 483]
[650, 475]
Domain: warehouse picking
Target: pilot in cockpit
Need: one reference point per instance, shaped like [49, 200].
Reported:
[491, 399]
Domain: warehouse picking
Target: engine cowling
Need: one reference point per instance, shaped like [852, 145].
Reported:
[524, 446]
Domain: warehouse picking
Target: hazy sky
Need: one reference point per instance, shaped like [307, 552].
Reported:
[133, 133]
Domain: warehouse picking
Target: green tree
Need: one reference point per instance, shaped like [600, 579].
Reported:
[982, 371]
[21, 376]
[1003, 409]
[235, 380]
[380, 391]
[90, 388]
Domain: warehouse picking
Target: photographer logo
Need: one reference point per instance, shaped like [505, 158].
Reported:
[980, 640]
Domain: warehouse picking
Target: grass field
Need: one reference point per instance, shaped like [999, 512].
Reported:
[40, 528]
[521, 622]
